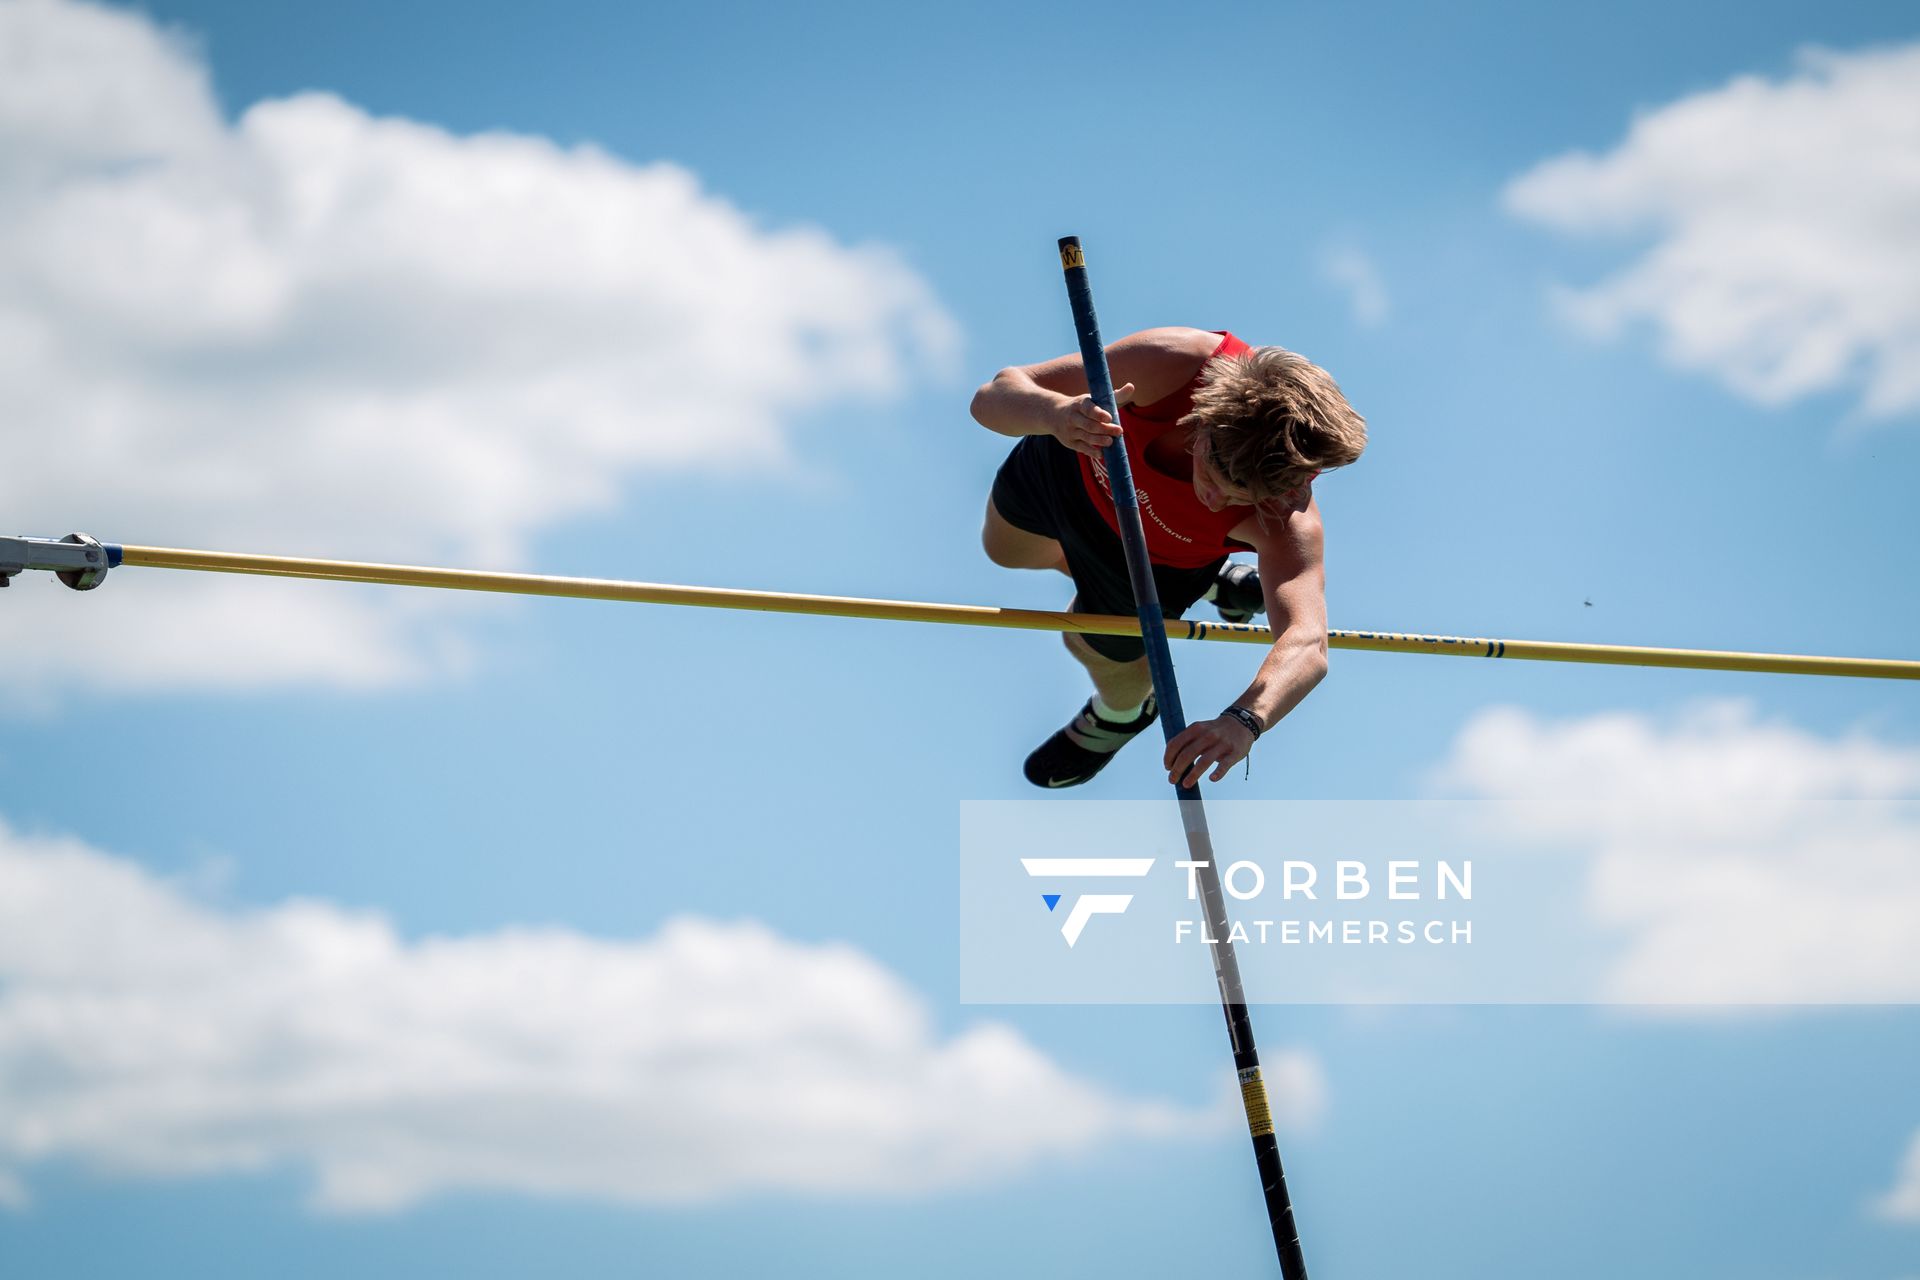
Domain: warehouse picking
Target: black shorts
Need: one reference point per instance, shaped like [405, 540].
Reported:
[1039, 489]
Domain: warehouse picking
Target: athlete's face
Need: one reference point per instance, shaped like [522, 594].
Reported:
[1216, 492]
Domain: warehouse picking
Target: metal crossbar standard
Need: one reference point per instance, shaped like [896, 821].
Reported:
[1193, 813]
[70, 560]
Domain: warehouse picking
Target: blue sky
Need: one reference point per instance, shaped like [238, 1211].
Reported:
[1668, 382]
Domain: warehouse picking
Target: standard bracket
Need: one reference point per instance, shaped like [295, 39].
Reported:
[79, 560]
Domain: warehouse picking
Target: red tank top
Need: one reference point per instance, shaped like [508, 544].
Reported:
[1181, 532]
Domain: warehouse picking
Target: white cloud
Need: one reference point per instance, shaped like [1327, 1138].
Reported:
[196, 631]
[145, 1033]
[1738, 860]
[1783, 258]
[1359, 276]
[319, 332]
[1902, 1204]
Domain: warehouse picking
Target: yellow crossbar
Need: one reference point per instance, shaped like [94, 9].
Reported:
[965, 615]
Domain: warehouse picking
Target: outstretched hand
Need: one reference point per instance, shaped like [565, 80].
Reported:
[1222, 742]
[1085, 427]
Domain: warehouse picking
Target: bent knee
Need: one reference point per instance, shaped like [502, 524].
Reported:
[997, 549]
[1012, 547]
[999, 554]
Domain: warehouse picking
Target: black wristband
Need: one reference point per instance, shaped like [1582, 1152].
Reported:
[1248, 719]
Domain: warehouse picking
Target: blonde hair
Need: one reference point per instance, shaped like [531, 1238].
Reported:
[1267, 419]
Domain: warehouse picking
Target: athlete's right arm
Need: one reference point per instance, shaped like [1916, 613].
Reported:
[1051, 398]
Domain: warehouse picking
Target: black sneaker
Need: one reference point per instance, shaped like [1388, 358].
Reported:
[1236, 593]
[1082, 749]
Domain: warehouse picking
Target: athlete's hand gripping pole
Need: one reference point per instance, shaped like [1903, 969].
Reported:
[1193, 817]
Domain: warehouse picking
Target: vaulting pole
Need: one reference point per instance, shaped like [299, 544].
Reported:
[1193, 813]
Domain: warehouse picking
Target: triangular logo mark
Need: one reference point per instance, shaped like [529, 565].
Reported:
[1051, 899]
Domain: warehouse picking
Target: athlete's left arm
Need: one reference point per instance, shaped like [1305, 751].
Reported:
[1293, 574]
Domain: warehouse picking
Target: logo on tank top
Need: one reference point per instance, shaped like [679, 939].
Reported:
[1146, 501]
